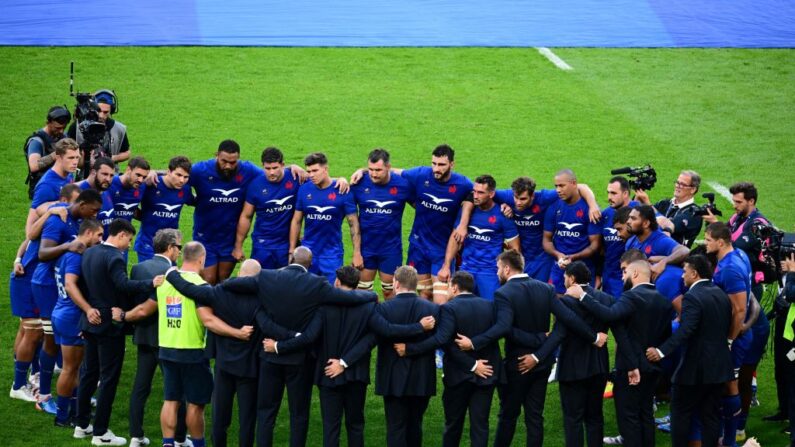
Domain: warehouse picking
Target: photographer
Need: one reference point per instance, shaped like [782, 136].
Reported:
[679, 218]
[38, 146]
[115, 143]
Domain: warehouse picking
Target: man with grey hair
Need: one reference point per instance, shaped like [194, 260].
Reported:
[678, 214]
[167, 245]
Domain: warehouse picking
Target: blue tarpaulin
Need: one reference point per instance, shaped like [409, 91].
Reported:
[567, 23]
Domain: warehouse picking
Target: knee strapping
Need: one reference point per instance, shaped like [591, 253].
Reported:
[440, 288]
[365, 285]
[388, 286]
[46, 325]
[31, 324]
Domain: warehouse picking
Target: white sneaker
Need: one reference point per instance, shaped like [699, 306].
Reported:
[108, 439]
[613, 440]
[82, 433]
[137, 442]
[56, 370]
[34, 382]
[187, 443]
[553, 374]
[22, 393]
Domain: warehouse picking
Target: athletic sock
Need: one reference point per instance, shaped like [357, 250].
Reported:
[63, 403]
[169, 442]
[59, 358]
[47, 363]
[198, 442]
[741, 419]
[20, 374]
[731, 406]
[73, 403]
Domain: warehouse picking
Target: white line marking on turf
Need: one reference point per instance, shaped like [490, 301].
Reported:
[560, 63]
[722, 190]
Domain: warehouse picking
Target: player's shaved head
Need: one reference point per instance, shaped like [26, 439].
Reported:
[642, 271]
[249, 267]
[566, 174]
[302, 256]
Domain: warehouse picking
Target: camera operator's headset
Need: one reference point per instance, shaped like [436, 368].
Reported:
[108, 97]
[59, 113]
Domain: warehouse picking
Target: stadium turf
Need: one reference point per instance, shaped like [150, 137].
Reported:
[507, 112]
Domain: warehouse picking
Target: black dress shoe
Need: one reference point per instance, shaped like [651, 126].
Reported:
[68, 423]
[778, 417]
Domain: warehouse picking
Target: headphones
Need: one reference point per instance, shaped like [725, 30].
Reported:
[106, 96]
[60, 114]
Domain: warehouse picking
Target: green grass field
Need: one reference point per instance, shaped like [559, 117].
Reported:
[507, 112]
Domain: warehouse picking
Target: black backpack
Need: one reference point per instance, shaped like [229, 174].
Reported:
[33, 178]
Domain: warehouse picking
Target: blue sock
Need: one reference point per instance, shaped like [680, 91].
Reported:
[73, 404]
[169, 442]
[59, 358]
[20, 374]
[47, 363]
[731, 406]
[34, 365]
[63, 408]
[742, 418]
[198, 442]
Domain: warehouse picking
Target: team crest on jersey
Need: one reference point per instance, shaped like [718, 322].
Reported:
[181, 194]
[536, 209]
[393, 190]
[174, 306]
[239, 178]
[579, 213]
[452, 189]
[288, 185]
[492, 219]
[647, 249]
[332, 196]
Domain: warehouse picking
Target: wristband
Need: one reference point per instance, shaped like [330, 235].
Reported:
[18, 260]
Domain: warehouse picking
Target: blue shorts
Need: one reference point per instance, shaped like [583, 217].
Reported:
[539, 267]
[45, 297]
[326, 266]
[761, 331]
[423, 261]
[66, 328]
[612, 286]
[740, 349]
[217, 253]
[22, 303]
[270, 259]
[192, 382]
[486, 284]
[385, 263]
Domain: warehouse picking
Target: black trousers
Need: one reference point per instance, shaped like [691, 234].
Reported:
[528, 391]
[581, 403]
[273, 379]
[102, 361]
[780, 349]
[348, 399]
[456, 400]
[635, 408]
[142, 387]
[404, 420]
[790, 369]
[226, 386]
[695, 400]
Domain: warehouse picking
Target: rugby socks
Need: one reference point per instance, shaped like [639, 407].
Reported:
[20, 374]
[731, 407]
[63, 402]
[59, 358]
[198, 442]
[35, 363]
[73, 404]
[741, 419]
[169, 442]
[47, 364]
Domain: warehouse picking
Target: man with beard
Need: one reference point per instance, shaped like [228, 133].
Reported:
[381, 198]
[127, 190]
[99, 180]
[526, 206]
[114, 144]
[439, 195]
[220, 186]
[613, 244]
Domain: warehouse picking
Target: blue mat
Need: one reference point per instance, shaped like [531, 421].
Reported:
[559, 23]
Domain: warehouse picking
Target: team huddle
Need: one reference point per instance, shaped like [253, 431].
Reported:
[482, 265]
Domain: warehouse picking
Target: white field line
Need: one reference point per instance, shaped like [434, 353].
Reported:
[722, 190]
[560, 63]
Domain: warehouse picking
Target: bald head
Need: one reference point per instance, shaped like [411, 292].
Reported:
[639, 272]
[567, 175]
[249, 267]
[302, 256]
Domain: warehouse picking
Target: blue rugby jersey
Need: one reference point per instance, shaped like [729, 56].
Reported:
[324, 210]
[274, 205]
[381, 213]
[485, 236]
[570, 226]
[160, 208]
[125, 200]
[68, 263]
[49, 188]
[530, 221]
[61, 232]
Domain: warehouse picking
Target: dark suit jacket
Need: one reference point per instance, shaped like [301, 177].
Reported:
[704, 328]
[146, 329]
[232, 355]
[404, 376]
[579, 358]
[290, 297]
[105, 273]
[524, 307]
[646, 315]
[469, 315]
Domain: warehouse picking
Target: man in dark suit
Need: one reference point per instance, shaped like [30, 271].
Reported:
[645, 313]
[406, 383]
[469, 377]
[105, 273]
[705, 365]
[167, 245]
[524, 307]
[347, 335]
[290, 297]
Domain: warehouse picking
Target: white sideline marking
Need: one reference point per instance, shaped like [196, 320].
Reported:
[722, 190]
[560, 63]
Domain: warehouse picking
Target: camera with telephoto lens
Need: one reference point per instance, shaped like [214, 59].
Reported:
[776, 245]
[643, 177]
[703, 210]
[89, 127]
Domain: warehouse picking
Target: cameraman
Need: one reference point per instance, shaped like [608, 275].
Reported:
[115, 145]
[678, 214]
[38, 146]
